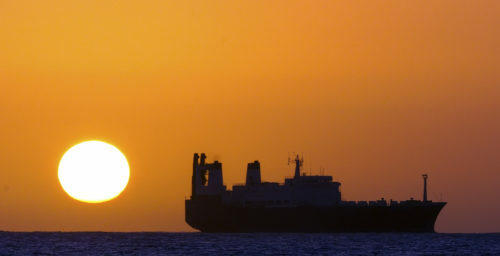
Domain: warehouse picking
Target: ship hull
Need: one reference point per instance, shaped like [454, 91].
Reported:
[211, 215]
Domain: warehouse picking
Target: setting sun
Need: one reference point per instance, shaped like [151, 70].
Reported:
[93, 172]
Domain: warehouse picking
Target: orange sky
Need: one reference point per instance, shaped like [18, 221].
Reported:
[374, 92]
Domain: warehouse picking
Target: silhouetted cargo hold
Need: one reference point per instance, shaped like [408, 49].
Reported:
[302, 204]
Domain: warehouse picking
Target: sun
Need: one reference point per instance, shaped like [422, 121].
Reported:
[93, 172]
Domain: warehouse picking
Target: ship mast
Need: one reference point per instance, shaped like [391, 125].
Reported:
[298, 163]
[425, 187]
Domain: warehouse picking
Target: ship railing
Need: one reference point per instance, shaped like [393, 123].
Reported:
[369, 203]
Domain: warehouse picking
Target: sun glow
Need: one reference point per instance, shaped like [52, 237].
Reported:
[93, 172]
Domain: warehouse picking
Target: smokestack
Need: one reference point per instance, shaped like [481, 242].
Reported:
[253, 173]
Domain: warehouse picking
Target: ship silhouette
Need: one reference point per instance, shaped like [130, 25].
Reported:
[304, 203]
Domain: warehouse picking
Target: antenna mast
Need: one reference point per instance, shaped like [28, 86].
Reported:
[299, 162]
[425, 187]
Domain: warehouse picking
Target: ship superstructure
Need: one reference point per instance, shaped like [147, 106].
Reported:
[303, 203]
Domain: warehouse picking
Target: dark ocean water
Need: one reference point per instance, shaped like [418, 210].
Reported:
[85, 243]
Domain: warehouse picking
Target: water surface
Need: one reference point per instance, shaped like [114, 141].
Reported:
[102, 243]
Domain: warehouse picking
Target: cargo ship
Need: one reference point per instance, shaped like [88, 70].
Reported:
[303, 203]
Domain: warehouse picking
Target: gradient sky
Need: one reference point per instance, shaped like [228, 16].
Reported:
[373, 92]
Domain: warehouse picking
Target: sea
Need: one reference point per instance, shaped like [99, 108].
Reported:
[104, 243]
